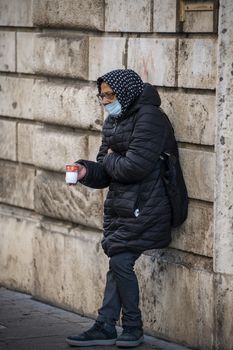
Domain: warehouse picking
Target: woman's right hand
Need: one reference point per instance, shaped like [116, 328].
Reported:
[81, 172]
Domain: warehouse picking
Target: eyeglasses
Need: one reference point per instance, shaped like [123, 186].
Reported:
[107, 95]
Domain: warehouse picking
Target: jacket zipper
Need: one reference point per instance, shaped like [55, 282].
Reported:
[115, 125]
[138, 208]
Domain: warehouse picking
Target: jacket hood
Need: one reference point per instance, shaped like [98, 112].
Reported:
[149, 96]
[127, 85]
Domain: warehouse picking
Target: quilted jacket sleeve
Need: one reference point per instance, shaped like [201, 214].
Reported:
[96, 175]
[147, 143]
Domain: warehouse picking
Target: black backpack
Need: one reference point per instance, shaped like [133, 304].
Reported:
[173, 179]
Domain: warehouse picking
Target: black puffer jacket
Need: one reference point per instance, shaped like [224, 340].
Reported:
[132, 173]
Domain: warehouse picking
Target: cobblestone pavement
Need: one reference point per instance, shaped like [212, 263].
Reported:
[27, 324]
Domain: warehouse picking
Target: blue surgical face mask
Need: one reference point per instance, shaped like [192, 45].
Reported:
[114, 108]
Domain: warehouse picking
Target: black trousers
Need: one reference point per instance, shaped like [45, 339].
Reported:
[121, 292]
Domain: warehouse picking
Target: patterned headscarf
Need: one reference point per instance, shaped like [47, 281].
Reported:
[126, 83]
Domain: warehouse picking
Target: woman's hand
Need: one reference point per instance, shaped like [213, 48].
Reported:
[110, 151]
[81, 173]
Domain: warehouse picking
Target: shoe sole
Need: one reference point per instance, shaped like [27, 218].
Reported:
[129, 344]
[91, 342]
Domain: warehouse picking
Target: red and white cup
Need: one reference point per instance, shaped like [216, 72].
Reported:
[72, 173]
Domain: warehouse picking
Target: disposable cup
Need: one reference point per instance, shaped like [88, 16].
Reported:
[72, 173]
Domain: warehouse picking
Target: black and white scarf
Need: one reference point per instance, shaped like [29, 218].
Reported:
[126, 84]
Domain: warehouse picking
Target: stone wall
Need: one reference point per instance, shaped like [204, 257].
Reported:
[51, 53]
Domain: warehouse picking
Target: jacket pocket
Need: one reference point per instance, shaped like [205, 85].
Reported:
[126, 202]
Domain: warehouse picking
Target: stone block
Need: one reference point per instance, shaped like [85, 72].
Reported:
[196, 234]
[25, 47]
[53, 148]
[16, 13]
[132, 16]
[197, 63]
[192, 115]
[198, 22]
[7, 139]
[223, 311]
[153, 59]
[61, 55]
[177, 297]
[100, 62]
[223, 218]
[73, 105]
[7, 51]
[82, 14]
[16, 97]
[16, 249]
[79, 204]
[199, 173]
[17, 184]
[164, 16]
[25, 142]
[78, 283]
[94, 142]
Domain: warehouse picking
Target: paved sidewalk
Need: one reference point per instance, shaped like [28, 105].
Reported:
[27, 324]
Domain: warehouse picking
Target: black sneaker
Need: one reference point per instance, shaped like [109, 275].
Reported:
[96, 335]
[130, 337]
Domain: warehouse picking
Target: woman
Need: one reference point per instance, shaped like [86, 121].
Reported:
[137, 213]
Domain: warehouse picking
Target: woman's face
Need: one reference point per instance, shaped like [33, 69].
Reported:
[106, 94]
